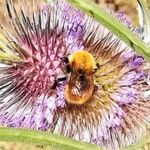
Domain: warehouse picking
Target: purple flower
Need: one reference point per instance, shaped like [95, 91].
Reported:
[125, 19]
[136, 61]
[125, 95]
[31, 95]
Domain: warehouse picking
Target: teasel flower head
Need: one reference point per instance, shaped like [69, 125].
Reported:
[104, 98]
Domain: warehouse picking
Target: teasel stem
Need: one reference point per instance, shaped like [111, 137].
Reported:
[43, 139]
[144, 19]
[113, 25]
[53, 141]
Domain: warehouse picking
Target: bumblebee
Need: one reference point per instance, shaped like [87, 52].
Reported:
[80, 84]
[80, 68]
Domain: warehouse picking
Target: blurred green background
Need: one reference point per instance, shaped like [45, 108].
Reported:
[129, 7]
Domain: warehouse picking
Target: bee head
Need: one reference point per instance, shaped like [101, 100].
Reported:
[82, 60]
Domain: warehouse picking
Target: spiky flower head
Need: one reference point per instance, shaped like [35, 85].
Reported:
[32, 62]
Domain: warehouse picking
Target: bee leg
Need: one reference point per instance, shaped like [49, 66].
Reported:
[68, 68]
[97, 67]
[96, 87]
[62, 79]
[57, 82]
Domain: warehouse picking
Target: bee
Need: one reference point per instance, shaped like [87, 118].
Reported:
[80, 84]
[80, 68]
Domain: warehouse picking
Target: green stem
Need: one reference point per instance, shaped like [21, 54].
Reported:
[113, 25]
[55, 142]
[144, 18]
[43, 138]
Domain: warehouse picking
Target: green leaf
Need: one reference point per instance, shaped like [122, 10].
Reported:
[43, 138]
[53, 141]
